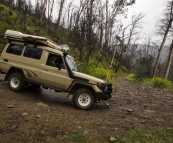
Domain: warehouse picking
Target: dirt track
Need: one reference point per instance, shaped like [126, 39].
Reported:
[32, 116]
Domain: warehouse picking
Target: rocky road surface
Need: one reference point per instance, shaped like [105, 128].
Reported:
[36, 115]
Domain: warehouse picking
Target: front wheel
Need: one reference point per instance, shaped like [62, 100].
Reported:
[83, 98]
[16, 82]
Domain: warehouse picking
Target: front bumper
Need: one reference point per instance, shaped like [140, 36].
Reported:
[106, 92]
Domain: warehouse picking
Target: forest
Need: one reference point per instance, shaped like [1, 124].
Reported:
[95, 33]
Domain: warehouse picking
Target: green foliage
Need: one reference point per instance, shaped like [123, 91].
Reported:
[64, 139]
[156, 82]
[100, 73]
[78, 137]
[146, 81]
[138, 136]
[161, 83]
[141, 72]
[130, 77]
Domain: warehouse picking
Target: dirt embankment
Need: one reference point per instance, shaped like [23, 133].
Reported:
[39, 115]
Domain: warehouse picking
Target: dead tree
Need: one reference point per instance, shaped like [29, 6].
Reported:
[61, 5]
[127, 41]
[163, 30]
[43, 11]
[135, 25]
[50, 9]
[169, 61]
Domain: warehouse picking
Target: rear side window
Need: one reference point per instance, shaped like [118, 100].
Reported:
[32, 52]
[15, 49]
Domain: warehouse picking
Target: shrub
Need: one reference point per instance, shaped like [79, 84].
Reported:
[130, 77]
[141, 72]
[100, 73]
[161, 83]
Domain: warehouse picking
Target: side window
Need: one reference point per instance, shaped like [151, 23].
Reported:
[37, 53]
[32, 52]
[28, 52]
[15, 49]
[55, 61]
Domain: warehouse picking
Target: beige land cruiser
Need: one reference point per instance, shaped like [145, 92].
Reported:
[38, 60]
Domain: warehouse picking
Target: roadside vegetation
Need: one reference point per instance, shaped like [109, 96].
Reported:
[157, 82]
[135, 136]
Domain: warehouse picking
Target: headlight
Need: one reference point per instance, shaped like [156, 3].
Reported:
[101, 86]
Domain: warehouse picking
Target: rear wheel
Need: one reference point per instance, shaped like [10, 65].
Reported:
[16, 82]
[83, 99]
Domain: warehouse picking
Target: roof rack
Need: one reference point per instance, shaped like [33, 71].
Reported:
[18, 36]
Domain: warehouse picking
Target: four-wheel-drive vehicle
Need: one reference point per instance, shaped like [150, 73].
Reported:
[41, 62]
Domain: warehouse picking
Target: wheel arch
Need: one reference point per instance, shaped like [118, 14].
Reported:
[13, 70]
[76, 86]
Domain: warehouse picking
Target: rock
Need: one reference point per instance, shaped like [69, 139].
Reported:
[146, 117]
[10, 106]
[85, 132]
[116, 129]
[149, 111]
[112, 139]
[42, 133]
[79, 127]
[38, 116]
[143, 122]
[42, 104]
[24, 114]
[130, 110]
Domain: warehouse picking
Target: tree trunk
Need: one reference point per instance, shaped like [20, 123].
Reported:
[169, 61]
[42, 15]
[165, 35]
[160, 50]
[60, 11]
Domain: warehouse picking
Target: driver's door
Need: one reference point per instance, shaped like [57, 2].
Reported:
[53, 76]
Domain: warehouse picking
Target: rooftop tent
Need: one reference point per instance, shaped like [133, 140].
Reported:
[18, 36]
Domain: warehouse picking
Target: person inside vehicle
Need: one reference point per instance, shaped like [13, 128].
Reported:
[51, 61]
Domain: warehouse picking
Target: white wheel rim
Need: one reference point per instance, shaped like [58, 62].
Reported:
[14, 82]
[84, 99]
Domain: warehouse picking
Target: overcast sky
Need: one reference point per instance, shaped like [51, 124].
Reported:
[151, 8]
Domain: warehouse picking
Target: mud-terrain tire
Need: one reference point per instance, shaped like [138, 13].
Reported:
[83, 98]
[16, 82]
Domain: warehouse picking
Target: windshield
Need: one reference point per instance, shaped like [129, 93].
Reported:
[71, 63]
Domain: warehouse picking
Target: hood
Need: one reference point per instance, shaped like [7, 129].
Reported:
[91, 79]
